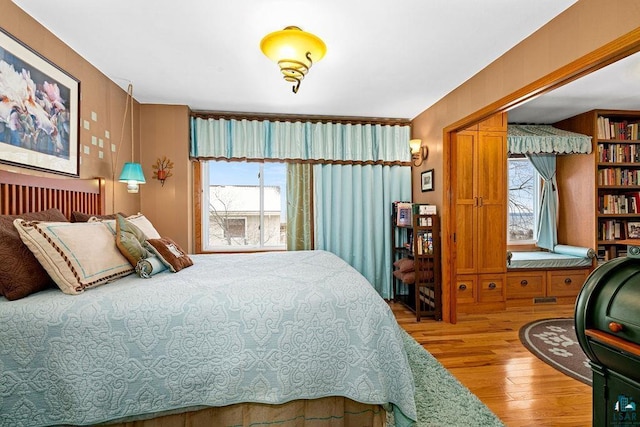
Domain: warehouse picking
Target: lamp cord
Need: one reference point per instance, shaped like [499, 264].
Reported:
[114, 164]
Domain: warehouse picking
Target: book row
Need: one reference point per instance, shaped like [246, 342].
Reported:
[403, 213]
[619, 129]
[618, 176]
[628, 203]
[424, 243]
[618, 230]
[618, 153]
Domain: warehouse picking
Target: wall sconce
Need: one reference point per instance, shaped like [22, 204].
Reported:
[295, 52]
[131, 173]
[162, 169]
[419, 152]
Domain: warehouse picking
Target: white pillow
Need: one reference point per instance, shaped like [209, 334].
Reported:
[144, 225]
[77, 255]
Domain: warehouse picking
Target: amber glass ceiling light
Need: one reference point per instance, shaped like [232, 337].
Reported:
[295, 51]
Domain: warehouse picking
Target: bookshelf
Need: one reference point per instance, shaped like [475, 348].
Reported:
[616, 142]
[416, 259]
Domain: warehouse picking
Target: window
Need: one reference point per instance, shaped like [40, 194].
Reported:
[246, 206]
[524, 195]
[234, 228]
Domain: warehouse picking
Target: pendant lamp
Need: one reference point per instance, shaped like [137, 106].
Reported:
[131, 173]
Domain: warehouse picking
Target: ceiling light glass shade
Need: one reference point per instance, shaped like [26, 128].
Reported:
[132, 174]
[295, 51]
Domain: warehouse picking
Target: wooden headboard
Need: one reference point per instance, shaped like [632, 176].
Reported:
[21, 193]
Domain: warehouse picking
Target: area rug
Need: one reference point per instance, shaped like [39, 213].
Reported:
[554, 342]
[441, 400]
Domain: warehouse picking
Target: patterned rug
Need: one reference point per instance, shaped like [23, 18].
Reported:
[554, 342]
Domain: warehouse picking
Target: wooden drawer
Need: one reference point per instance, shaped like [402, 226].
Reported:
[466, 289]
[526, 284]
[565, 282]
[491, 288]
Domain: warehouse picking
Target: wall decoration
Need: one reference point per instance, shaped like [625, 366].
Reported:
[162, 169]
[39, 111]
[427, 180]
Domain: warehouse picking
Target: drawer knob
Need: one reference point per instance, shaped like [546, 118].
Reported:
[492, 285]
[462, 287]
[567, 281]
[615, 327]
[524, 283]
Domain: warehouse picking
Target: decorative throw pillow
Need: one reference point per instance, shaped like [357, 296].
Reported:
[129, 240]
[169, 253]
[404, 265]
[83, 217]
[76, 255]
[148, 267]
[144, 225]
[20, 272]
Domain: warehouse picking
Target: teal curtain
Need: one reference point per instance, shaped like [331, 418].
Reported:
[299, 206]
[545, 164]
[352, 211]
[261, 139]
[358, 171]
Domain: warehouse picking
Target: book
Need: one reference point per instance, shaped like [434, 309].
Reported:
[403, 216]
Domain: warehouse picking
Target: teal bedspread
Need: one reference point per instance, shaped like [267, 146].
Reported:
[267, 327]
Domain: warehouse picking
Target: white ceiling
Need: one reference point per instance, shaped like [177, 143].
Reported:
[384, 59]
[615, 87]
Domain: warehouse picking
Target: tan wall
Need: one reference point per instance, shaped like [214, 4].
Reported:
[165, 132]
[581, 29]
[99, 95]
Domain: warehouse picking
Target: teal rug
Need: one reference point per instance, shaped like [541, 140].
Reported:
[441, 400]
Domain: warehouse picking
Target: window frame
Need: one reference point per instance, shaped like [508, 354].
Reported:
[201, 178]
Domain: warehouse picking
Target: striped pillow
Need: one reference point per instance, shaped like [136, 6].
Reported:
[76, 255]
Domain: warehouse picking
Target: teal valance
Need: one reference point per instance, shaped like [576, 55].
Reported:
[546, 139]
[284, 140]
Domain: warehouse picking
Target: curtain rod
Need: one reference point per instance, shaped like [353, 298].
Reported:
[231, 115]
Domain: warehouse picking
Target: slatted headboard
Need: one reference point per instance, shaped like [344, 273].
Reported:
[21, 193]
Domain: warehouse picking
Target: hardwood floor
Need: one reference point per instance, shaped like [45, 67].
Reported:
[484, 352]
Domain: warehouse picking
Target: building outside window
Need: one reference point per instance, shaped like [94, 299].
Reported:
[246, 206]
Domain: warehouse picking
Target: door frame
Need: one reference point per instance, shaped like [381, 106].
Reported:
[609, 53]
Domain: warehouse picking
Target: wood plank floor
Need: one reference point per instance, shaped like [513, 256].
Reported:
[484, 352]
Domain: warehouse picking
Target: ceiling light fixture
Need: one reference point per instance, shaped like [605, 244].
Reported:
[419, 152]
[295, 51]
[131, 172]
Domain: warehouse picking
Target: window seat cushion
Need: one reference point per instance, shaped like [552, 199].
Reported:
[564, 257]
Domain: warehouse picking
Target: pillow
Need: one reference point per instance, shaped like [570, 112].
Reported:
[169, 253]
[129, 240]
[83, 217]
[147, 267]
[144, 225]
[20, 272]
[76, 255]
[404, 265]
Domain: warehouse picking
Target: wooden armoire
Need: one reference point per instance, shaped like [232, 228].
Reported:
[479, 184]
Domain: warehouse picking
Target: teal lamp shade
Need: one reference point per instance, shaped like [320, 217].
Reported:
[132, 175]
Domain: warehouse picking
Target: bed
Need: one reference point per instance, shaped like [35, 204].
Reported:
[298, 338]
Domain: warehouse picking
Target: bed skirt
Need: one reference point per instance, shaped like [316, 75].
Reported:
[324, 412]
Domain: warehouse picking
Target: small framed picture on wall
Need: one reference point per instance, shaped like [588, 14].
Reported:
[427, 180]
